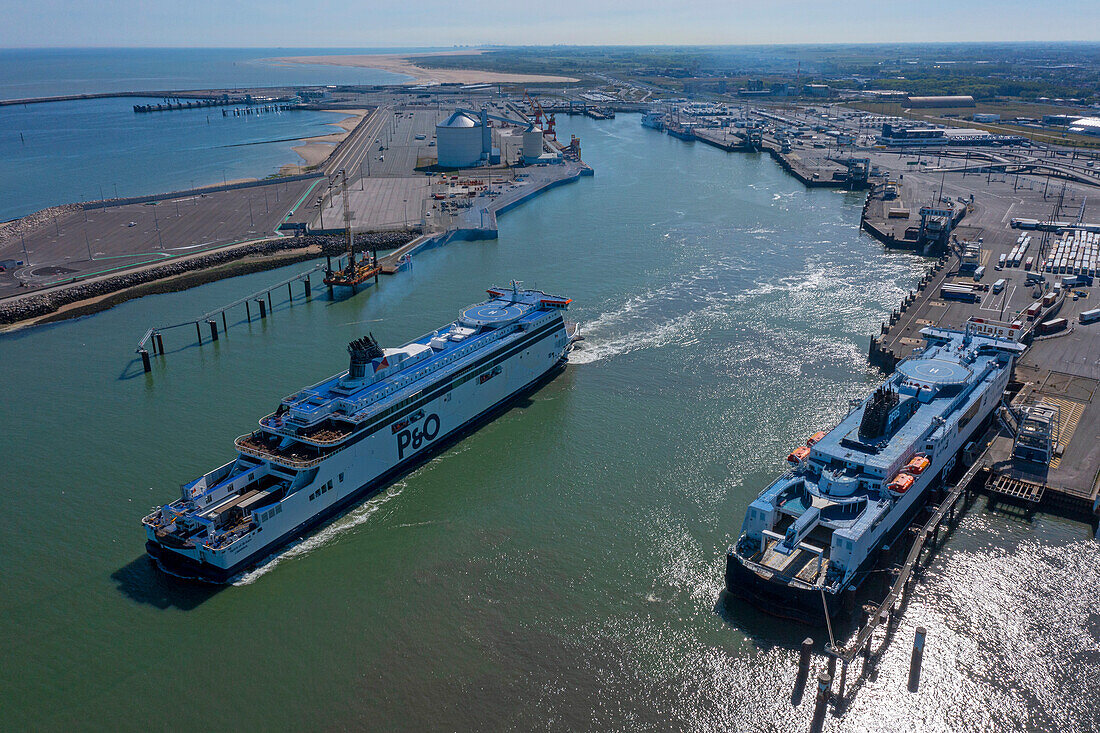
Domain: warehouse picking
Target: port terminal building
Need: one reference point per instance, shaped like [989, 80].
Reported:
[942, 136]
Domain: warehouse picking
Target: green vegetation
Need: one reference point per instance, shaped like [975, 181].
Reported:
[989, 71]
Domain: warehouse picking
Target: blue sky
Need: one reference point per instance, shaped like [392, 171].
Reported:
[375, 23]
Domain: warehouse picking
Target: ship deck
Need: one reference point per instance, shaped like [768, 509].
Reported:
[328, 390]
[298, 455]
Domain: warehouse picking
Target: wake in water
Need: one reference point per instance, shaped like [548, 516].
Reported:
[641, 321]
[340, 526]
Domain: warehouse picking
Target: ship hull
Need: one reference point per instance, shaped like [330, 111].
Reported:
[805, 605]
[186, 567]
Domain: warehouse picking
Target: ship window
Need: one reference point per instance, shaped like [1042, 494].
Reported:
[341, 478]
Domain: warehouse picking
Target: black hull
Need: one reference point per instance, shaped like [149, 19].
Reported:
[184, 567]
[803, 605]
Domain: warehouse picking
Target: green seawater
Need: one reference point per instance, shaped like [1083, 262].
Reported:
[559, 569]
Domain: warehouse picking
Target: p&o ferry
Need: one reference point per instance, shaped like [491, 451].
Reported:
[812, 534]
[330, 445]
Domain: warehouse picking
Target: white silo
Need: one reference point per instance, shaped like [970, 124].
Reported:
[532, 145]
[458, 141]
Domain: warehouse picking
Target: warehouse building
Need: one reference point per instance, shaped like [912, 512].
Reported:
[962, 101]
[1086, 126]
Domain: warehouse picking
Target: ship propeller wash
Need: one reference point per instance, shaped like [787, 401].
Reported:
[810, 538]
[330, 445]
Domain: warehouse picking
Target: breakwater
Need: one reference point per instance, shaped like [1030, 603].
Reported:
[156, 279]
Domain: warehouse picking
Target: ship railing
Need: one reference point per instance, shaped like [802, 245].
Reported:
[274, 456]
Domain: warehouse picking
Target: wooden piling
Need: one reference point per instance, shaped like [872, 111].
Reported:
[198, 331]
[308, 287]
[213, 330]
[269, 302]
[824, 682]
[916, 659]
[803, 670]
[247, 312]
[263, 307]
[225, 328]
[145, 361]
[289, 292]
[160, 343]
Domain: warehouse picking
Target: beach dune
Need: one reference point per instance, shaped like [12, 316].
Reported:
[406, 64]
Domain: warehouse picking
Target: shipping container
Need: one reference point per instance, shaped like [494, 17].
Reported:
[958, 292]
[1051, 326]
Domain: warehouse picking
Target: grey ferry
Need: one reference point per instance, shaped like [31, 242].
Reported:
[809, 539]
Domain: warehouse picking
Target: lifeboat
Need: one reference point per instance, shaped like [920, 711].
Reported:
[901, 483]
[917, 465]
[815, 437]
[798, 455]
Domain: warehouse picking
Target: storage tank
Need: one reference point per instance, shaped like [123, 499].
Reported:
[532, 145]
[458, 141]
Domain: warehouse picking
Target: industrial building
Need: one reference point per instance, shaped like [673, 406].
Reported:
[910, 136]
[1086, 126]
[960, 101]
[460, 140]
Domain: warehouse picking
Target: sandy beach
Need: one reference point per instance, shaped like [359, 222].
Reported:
[315, 150]
[406, 64]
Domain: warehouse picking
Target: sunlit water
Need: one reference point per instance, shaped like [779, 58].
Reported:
[559, 569]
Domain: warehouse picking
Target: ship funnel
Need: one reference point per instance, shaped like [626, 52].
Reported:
[362, 350]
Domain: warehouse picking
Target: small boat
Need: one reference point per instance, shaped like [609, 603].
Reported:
[815, 437]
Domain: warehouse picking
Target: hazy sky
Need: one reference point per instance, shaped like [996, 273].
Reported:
[377, 23]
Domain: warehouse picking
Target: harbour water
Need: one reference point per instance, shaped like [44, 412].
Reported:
[61, 152]
[560, 568]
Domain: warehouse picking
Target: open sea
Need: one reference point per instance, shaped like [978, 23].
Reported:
[61, 152]
[559, 569]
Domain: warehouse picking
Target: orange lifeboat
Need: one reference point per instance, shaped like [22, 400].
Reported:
[901, 483]
[815, 437]
[798, 455]
[917, 465]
